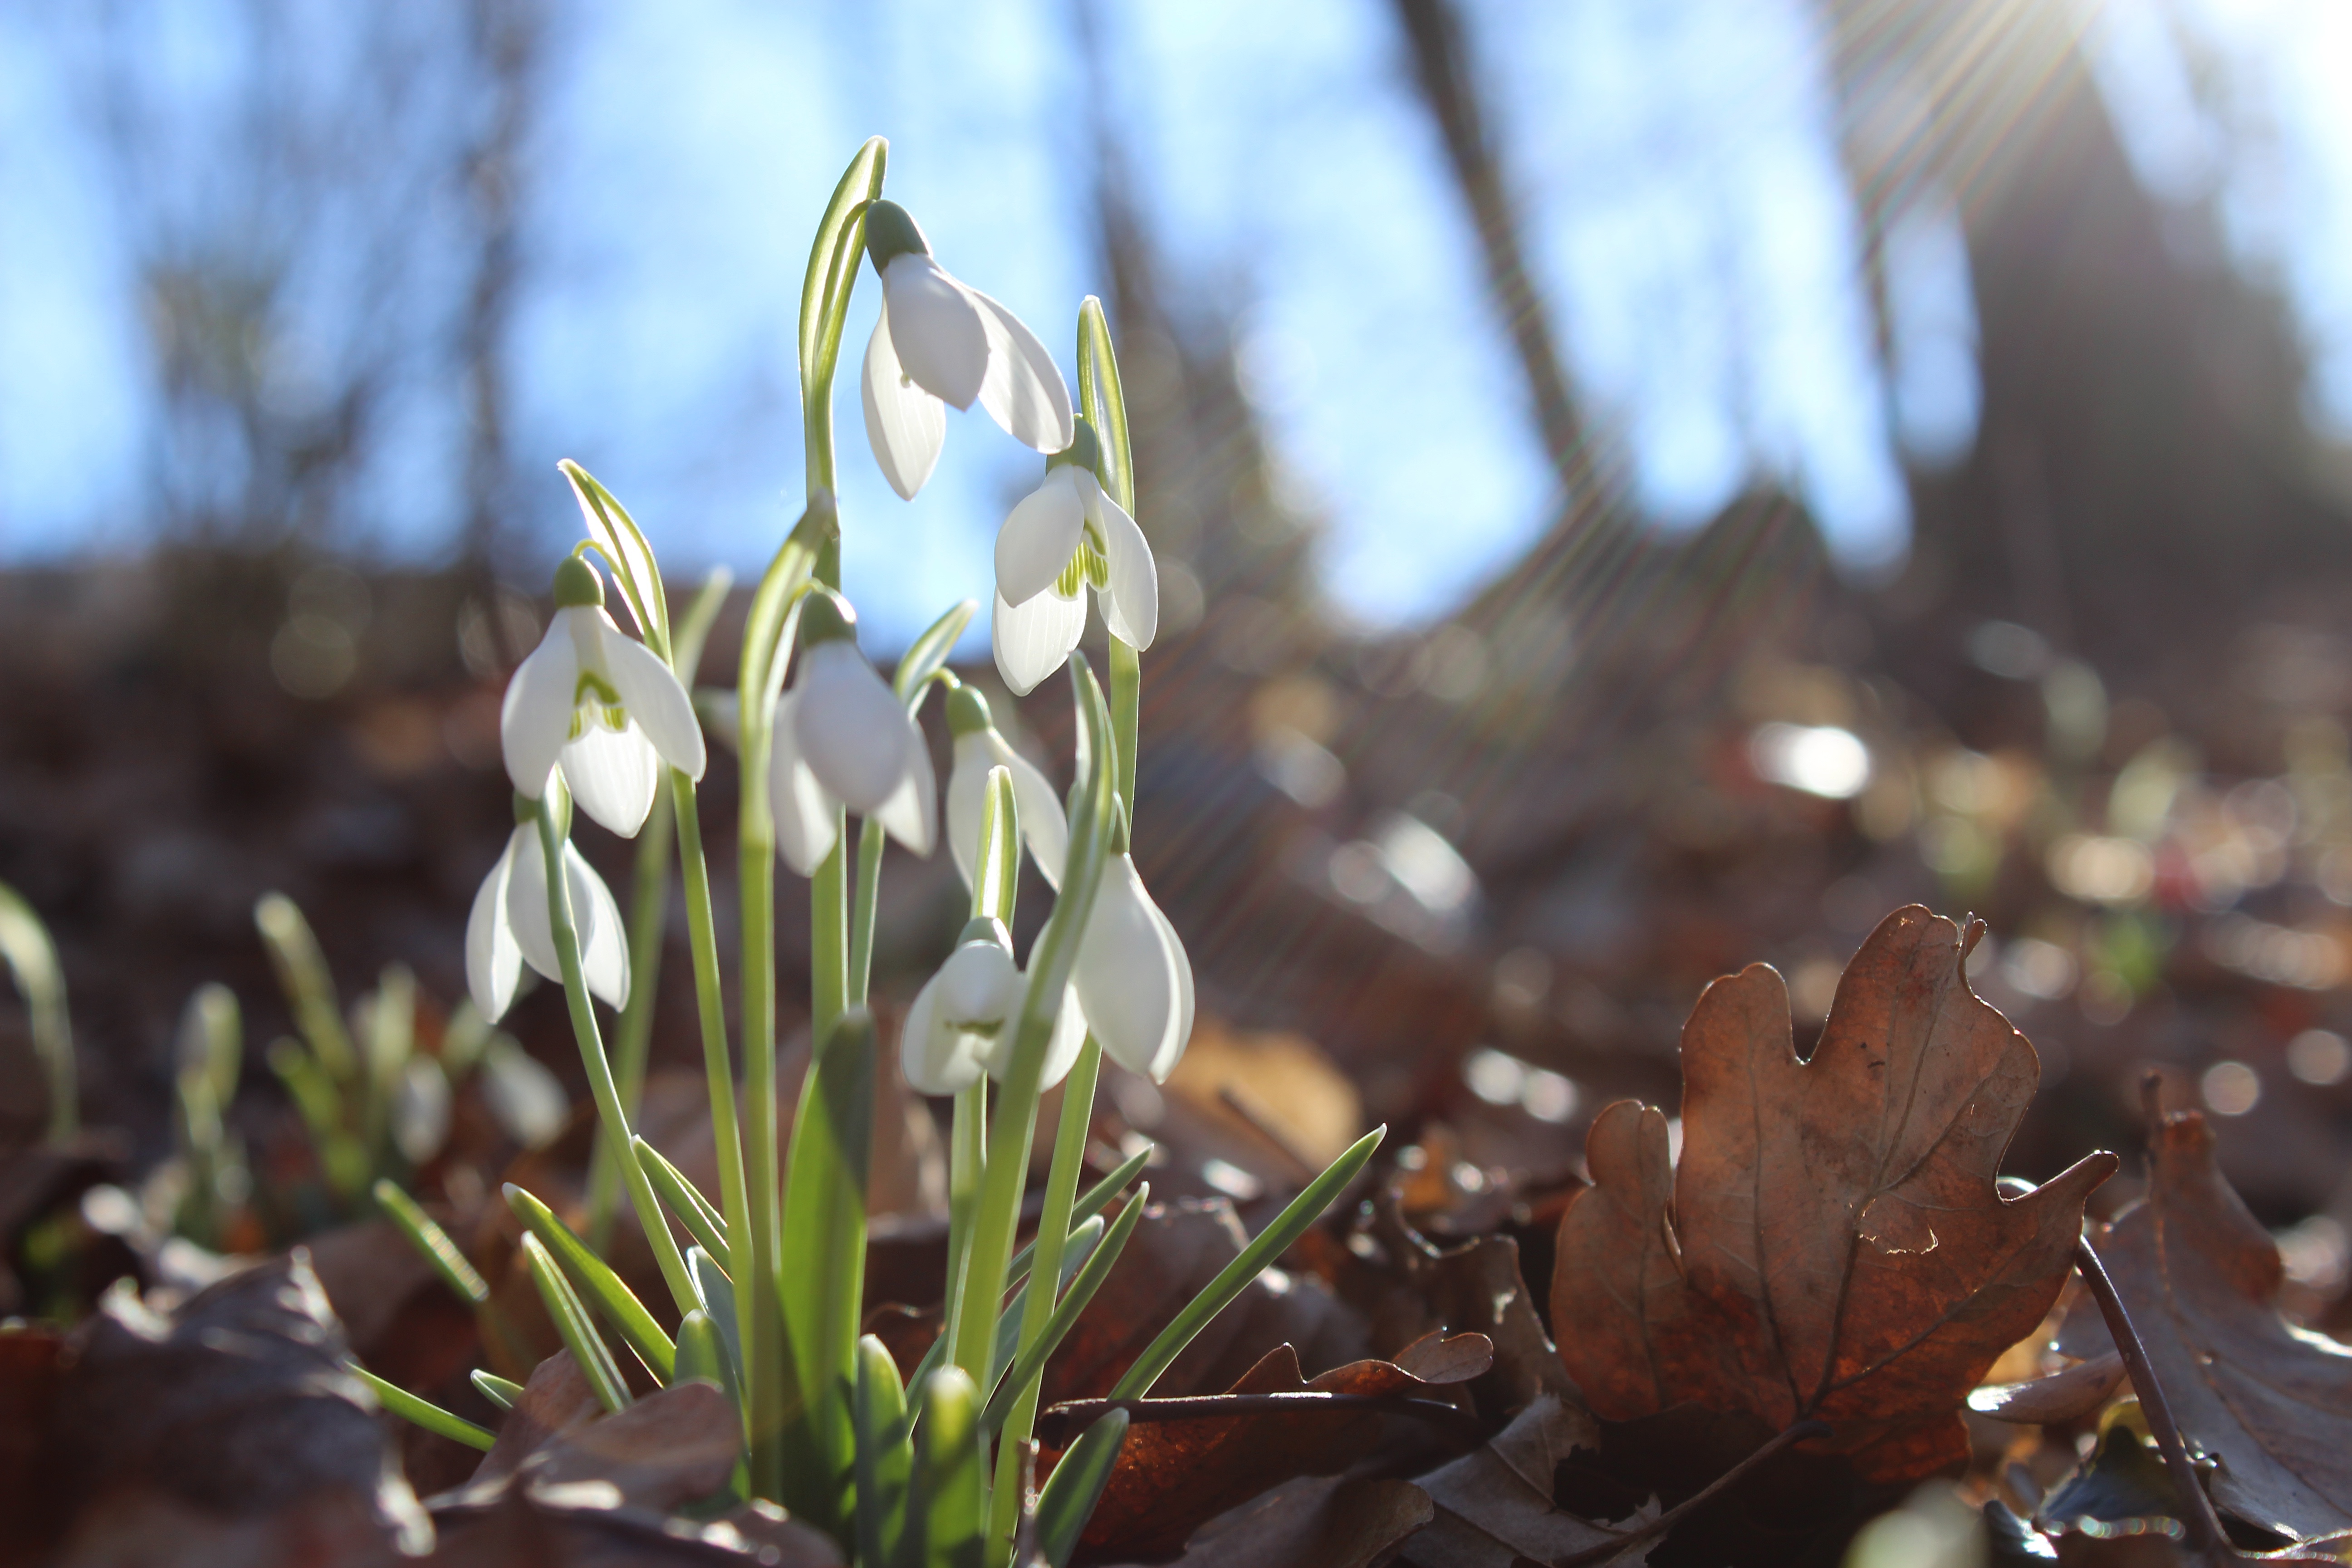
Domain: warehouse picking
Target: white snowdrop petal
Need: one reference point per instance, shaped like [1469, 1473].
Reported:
[527, 915]
[1062, 1046]
[612, 774]
[937, 329]
[1130, 600]
[1122, 974]
[603, 942]
[905, 425]
[1023, 390]
[1034, 639]
[1179, 969]
[535, 720]
[911, 815]
[801, 810]
[1039, 804]
[1039, 539]
[935, 1058]
[970, 761]
[852, 729]
[979, 983]
[656, 703]
[493, 961]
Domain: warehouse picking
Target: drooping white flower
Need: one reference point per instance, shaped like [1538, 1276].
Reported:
[978, 747]
[509, 927]
[843, 738]
[966, 1018]
[1066, 535]
[940, 340]
[600, 705]
[1133, 975]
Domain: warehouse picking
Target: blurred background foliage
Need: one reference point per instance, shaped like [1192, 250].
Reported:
[1642, 486]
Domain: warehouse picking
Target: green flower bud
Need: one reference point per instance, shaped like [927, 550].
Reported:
[1084, 450]
[825, 616]
[985, 928]
[890, 233]
[968, 712]
[578, 585]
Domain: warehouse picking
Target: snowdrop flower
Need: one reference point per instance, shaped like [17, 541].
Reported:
[600, 706]
[978, 747]
[965, 1018]
[843, 738]
[1132, 976]
[940, 340]
[1065, 536]
[509, 926]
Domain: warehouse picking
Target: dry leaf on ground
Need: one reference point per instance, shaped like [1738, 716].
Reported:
[2200, 1278]
[1173, 1476]
[1495, 1505]
[1315, 1521]
[1833, 1244]
[237, 1406]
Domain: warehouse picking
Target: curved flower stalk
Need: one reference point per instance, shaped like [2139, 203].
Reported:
[940, 340]
[1066, 535]
[977, 747]
[599, 706]
[841, 738]
[1133, 977]
[509, 926]
[962, 1020]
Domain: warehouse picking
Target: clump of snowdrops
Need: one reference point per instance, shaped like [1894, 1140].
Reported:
[765, 1290]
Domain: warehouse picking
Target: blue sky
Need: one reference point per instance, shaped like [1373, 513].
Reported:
[1687, 217]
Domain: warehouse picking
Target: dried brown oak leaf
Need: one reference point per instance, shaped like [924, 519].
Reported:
[1832, 1243]
[2200, 1278]
[1173, 1476]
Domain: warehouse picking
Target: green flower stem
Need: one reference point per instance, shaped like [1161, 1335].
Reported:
[1045, 1269]
[634, 1035]
[615, 1122]
[425, 1413]
[768, 1376]
[28, 954]
[1049, 968]
[1125, 703]
[967, 1162]
[770, 1383]
[717, 1067]
[861, 917]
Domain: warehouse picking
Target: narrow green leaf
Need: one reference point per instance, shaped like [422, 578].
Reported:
[684, 1199]
[1092, 1202]
[425, 1414]
[927, 654]
[302, 975]
[702, 1353]
[447, 1259]
[596, 1282]
[996, 879]
[944, 1520]
[694, 630]
[1075, 1485]
[824, 299]
[571, 1324]
[823, 1273]
[717, 1295]
[32, 958]
[1103, 403]
[499, 1391]
[1269, 1244]
[1096, 1268]
[1077, 1249]
[320, 1105]
[885, 1458]
[620, 540]
[212, 1040]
